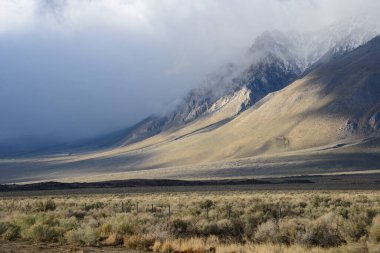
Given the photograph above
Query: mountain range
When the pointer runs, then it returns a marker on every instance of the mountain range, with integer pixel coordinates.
(297, 104)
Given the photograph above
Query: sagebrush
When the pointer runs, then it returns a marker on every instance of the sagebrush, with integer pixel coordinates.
(201, 222)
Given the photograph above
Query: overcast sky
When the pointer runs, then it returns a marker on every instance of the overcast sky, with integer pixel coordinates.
(77, 68)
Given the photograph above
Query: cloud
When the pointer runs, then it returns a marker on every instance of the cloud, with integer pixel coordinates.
(16, 15)
(71, 69)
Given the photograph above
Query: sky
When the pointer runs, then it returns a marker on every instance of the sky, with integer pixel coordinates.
(74, 69)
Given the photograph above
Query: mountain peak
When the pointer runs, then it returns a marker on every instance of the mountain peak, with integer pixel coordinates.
(275, 60)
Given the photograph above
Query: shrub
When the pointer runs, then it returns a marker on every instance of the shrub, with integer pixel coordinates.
(341, 203)
(12, 232)
(124, 224)
(265, 212)
(44, 206)
(355, 226)
(353, 229)
(156, 246)
(266, 232)
(24, 223)
(231, 228)
(322, 233)
(252, 221)
(212, 241)
(166, 247)
(112, 240)
(302, 204)
(105, 230)
(208, 203)
(96, 205)
(374, 231)
(68, 224)
(77, 214)
(180, 227)
(44, 233)
(139, 242)
(290, 230)
(208, 228)
(3, 227)
(82, 236)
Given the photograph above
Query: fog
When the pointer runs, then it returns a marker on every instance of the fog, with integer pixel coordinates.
(74, 69)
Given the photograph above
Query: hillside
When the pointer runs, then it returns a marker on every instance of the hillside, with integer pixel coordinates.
(273, 61)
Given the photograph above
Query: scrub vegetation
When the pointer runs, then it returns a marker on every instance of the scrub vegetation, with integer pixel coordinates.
(309, 221)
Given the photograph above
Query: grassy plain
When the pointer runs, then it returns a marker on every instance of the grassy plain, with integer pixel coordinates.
(266, 221)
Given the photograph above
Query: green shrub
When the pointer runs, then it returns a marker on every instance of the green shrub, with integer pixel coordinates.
(24, 223)
(125, 224)
(44, 233)
(12, 232)
(82, 236)
(179, 227)
(3, 227)
(68, 224)
(25, 220)
(48, 219)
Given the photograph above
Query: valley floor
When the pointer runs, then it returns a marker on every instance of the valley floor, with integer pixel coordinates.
(359, 158)
(349, 181)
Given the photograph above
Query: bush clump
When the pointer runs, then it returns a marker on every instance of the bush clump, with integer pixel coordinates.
(44, 206)
(180, 227)
(82, 236)
(267, 232)
(44, 233)
(3, 227)
(374, 231)
(137, 242)
(12, 232)
(322, 233)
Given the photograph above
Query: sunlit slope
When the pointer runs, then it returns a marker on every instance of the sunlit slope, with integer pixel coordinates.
(333, 103)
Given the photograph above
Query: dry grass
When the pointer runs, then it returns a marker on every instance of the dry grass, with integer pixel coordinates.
(201, 222)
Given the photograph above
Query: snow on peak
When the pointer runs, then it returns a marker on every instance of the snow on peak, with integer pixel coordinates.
(305, 49)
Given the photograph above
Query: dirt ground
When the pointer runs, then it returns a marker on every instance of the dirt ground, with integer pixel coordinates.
(30, 247)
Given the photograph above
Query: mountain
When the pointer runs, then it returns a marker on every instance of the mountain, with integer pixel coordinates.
(338, 102)
(274, 60)
(280, 121)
